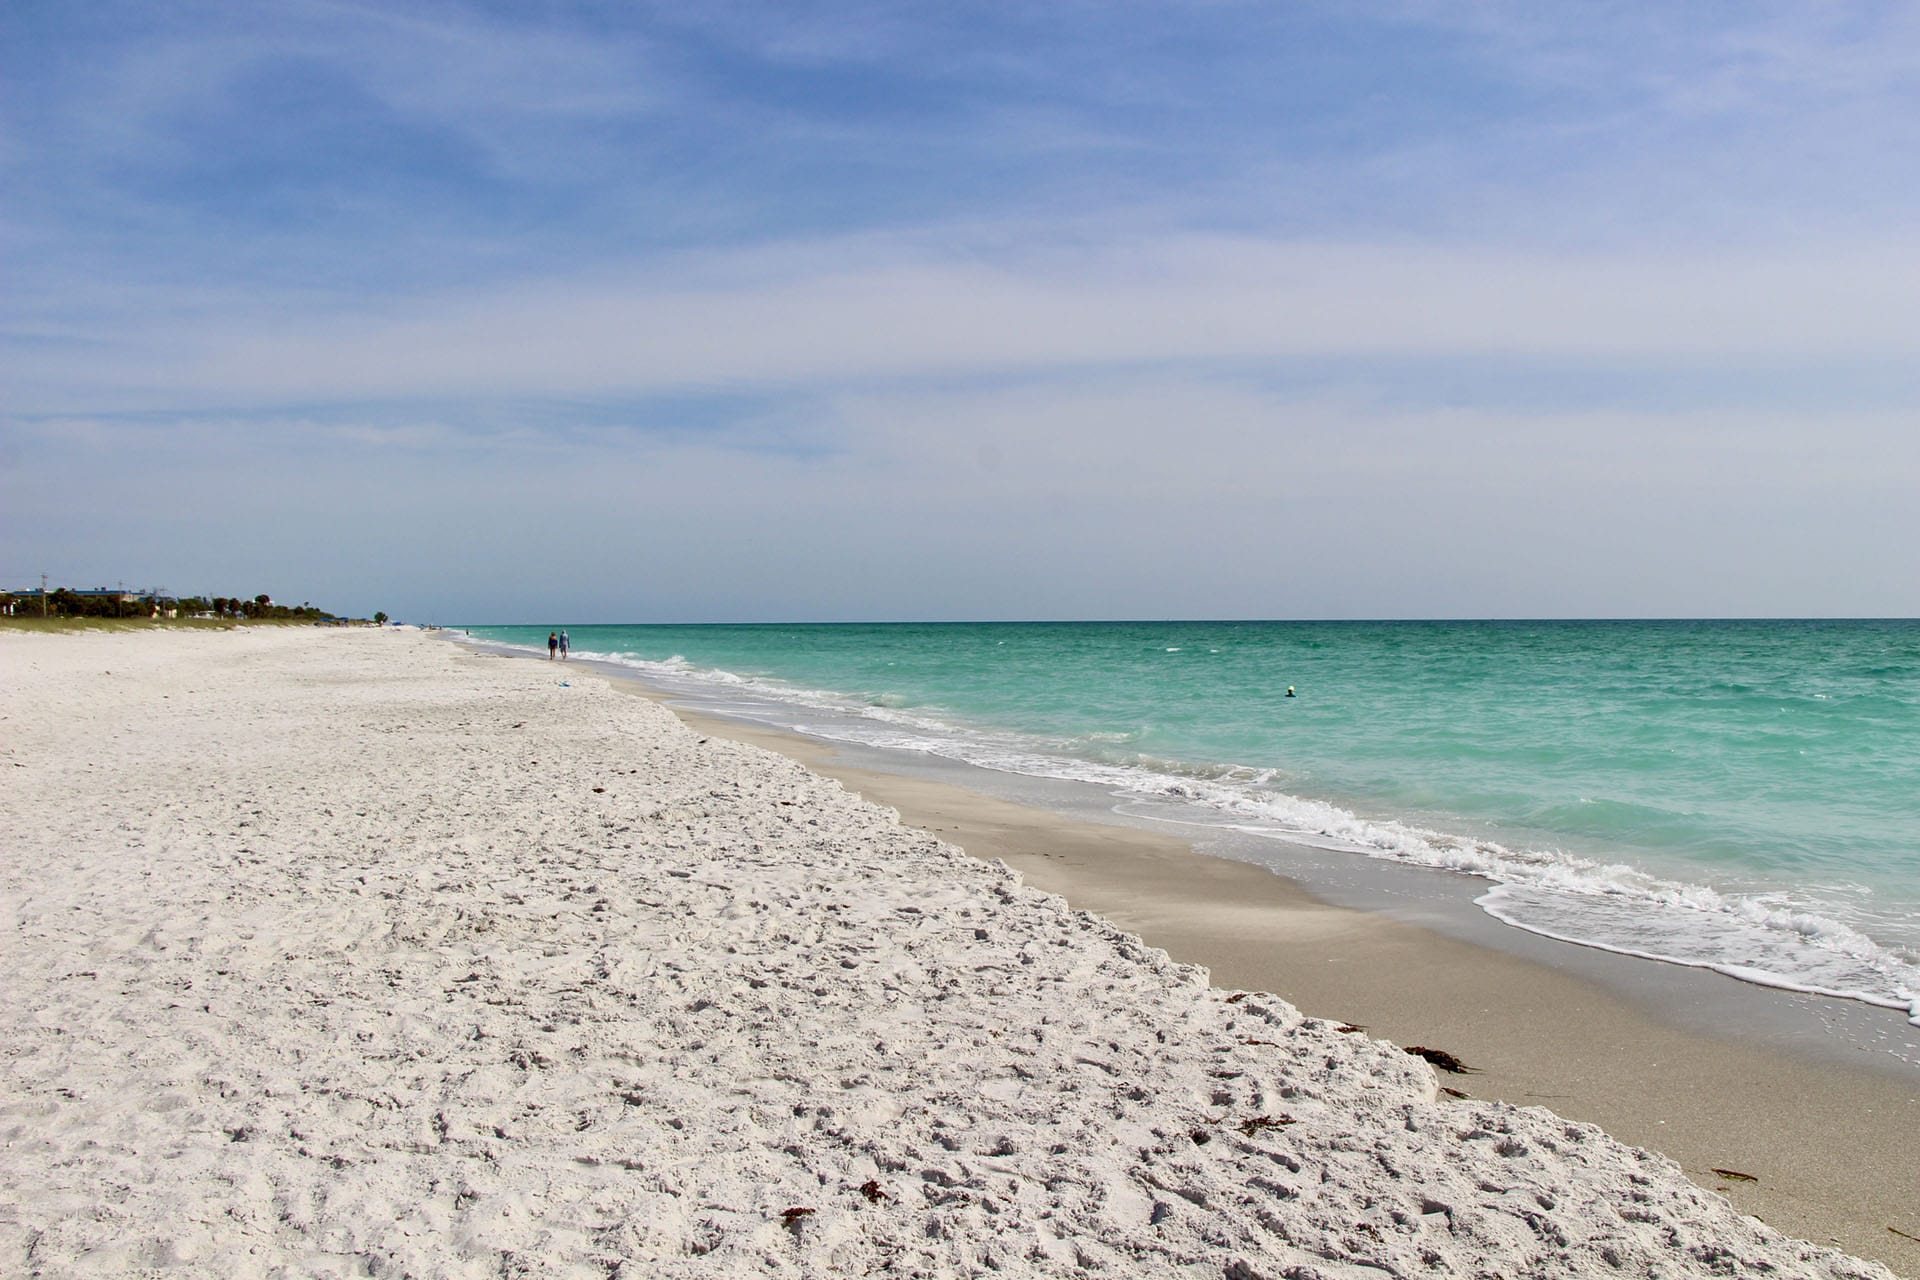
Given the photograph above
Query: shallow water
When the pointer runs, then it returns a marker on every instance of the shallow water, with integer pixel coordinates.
(1742, 795)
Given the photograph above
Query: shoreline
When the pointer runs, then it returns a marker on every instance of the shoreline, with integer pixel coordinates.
(1804, 1020)
(359, 953)
(1825, 1140)
(1499, 757)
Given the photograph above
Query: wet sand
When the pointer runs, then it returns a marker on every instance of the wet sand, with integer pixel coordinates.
(347, 953)
(1830, 1146)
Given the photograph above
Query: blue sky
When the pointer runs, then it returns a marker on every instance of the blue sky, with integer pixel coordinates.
(608, 312)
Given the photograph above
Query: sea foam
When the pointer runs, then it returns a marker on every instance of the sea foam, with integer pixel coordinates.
(1759, 937)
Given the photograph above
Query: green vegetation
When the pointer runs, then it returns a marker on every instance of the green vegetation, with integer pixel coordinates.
(51, 624)
(69, 610)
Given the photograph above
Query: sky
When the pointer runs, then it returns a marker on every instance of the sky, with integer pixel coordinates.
(560, 311)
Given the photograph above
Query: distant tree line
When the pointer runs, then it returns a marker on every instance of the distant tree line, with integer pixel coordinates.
(259, 607)
(67, 603)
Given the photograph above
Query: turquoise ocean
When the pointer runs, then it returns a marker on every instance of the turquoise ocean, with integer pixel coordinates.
(1736, 795)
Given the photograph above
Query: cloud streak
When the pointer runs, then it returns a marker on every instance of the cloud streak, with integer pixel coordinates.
(1009, 311)
(822, 314)
(1210, 497)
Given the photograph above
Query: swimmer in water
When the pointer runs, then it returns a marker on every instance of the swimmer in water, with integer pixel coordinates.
(1289, 691)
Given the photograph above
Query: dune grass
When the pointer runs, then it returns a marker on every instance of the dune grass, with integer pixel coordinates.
(34, 623)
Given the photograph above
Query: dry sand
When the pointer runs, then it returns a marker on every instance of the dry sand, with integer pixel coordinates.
(350, 953)
(1830, 1146)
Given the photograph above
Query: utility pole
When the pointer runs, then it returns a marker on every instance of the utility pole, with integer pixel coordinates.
(43, 595)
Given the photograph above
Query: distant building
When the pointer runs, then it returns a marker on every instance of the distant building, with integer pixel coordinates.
(93, 593)
(158, 602)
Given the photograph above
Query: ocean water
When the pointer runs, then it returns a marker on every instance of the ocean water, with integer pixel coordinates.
(1737, 795)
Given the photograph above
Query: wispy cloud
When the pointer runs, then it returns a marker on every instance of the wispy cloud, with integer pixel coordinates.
(845, 261)
(830, 312)
(1209, 496)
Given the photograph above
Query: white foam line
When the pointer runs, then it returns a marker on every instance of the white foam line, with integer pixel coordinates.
(1744, 973)
(1301, 820)
(668, 1005)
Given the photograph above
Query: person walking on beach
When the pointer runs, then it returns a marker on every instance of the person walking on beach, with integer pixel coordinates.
(553, 643)
(563, 646)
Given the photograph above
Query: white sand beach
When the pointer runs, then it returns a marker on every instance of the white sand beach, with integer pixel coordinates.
(1799, 1109)
(351, 953)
